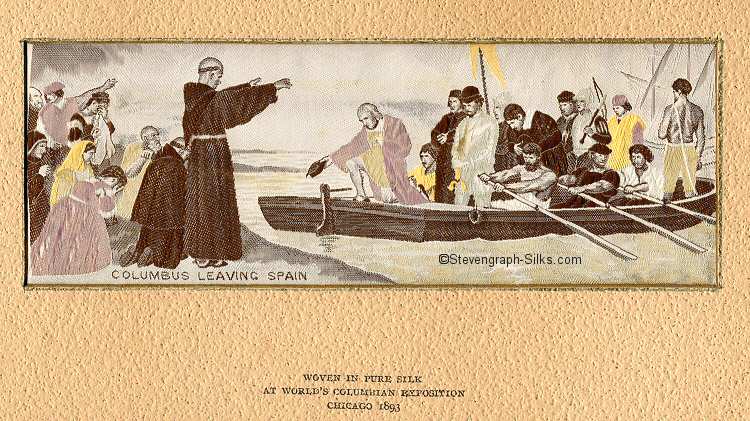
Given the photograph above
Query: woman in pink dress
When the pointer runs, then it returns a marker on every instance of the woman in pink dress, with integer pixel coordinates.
(74, 239)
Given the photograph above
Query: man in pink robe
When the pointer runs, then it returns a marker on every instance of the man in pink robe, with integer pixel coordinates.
(378, 150)
(55, 115)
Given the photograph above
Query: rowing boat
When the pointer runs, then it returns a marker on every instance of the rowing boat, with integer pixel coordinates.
(441, 222)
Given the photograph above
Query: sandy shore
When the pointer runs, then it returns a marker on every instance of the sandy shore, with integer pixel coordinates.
(259, 256)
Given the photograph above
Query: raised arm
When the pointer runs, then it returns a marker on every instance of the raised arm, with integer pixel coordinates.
(239, 104)
(83, 98)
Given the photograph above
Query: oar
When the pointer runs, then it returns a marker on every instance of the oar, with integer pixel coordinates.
(599, 241)
(706, 218)
(656, 228)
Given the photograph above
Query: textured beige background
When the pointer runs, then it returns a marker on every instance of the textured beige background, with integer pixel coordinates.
(205, 354)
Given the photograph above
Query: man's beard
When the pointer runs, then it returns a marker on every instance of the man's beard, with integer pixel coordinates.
(532, 167)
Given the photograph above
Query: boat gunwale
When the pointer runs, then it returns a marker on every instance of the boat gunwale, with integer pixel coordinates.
(408, 211)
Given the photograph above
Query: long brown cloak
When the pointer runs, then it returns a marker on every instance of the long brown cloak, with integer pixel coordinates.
(212, 222)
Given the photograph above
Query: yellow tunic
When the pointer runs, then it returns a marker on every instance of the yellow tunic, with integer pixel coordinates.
(374, 160)
(424, 179)
(622, 139)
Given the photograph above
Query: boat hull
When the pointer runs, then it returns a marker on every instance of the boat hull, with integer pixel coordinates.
(452, 223)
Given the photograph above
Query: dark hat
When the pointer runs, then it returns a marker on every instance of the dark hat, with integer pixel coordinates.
(53, 87)
(470, 93)
(100, 97)
(600, 149)
(455, 93)
(565, 96)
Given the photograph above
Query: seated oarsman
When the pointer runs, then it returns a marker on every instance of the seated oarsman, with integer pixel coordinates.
(639, 177)
(530, 180)
(598, 181)
(423, 177)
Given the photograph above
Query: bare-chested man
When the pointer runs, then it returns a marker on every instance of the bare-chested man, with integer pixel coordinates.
(530, 180)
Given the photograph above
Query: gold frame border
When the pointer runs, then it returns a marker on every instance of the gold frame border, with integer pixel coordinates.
(717, 41)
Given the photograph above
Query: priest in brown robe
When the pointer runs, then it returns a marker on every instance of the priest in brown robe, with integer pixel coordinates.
(442, 137)
(160, 210)
(212, 222)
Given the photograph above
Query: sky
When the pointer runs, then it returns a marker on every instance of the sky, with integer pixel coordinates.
(408, 81)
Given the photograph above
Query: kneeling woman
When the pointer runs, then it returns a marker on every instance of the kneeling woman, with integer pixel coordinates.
(74, 239)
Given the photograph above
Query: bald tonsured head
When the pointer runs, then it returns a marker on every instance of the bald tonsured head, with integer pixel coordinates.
(210, 71)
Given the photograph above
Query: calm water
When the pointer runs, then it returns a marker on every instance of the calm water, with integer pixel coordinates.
(660, 261)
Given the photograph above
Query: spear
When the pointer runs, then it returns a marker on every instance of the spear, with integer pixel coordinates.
(484, 81)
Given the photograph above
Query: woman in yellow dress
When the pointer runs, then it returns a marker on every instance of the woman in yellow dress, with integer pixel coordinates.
(76, 167)
(626, 129)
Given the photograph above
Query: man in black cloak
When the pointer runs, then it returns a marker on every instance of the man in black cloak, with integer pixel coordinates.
(160, 210)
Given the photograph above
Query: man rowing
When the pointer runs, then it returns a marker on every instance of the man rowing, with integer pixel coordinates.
(531, 180)
(639, 178)
(599, 181)
(378, 150)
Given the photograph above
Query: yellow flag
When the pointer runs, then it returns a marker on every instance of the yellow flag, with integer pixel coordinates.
(491, 61)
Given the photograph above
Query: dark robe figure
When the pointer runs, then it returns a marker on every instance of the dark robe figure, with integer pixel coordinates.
(545, 133)
(444, 170)
(568, 113)
(505, 154)
(565, 126)
(38, 197)
(160, 210)
(33, 116)
(212, 222)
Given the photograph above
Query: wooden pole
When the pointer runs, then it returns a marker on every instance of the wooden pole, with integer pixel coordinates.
(328, 224)
(484, 81)
(706, 218)
(599, 241)
(652, 226)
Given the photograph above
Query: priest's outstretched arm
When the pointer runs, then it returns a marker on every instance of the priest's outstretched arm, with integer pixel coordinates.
(239, 104)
